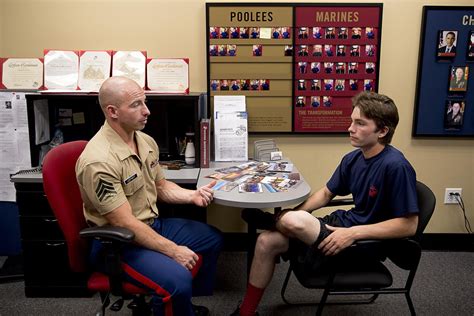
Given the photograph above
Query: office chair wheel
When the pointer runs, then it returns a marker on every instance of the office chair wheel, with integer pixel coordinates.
(117, 305)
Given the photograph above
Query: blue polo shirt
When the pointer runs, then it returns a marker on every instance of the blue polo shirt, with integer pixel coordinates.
(383, 187)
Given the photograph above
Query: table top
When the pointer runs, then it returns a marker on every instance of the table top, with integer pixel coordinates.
(265, 199)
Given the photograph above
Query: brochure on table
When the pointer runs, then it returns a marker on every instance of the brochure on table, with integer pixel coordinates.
(230, 128)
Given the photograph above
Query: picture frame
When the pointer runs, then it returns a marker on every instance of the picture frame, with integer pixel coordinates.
(436, 77)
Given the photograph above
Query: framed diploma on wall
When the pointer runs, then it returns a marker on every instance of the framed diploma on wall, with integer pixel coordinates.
(444, 101)
(21, 73)
(299, 65)
(168, 75)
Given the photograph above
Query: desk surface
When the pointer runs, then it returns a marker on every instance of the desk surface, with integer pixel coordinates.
(264, 199)
(177, 176)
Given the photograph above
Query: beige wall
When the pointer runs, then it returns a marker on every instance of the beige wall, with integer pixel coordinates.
(176, 28)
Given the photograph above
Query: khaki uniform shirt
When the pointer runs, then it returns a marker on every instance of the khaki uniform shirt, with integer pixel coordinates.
(109, 174)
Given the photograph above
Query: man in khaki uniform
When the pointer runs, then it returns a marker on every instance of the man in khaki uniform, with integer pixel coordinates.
(120, 181)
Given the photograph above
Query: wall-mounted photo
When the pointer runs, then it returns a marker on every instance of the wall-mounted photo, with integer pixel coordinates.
(470, 46)
(458, 76)
(447, 41)
(454, 114)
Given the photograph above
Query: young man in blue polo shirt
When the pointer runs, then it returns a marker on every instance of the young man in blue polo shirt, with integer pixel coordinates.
(381, 181)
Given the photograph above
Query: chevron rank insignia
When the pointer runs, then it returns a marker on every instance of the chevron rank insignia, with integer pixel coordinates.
(104, 189)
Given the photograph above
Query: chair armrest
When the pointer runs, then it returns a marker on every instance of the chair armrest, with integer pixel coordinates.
(339, 202)
(111, 233)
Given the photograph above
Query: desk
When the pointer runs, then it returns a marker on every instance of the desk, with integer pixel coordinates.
(265, 199)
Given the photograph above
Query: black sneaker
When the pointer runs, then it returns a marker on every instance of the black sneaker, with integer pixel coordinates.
(258, 218)
(237, 312)
(200, 310)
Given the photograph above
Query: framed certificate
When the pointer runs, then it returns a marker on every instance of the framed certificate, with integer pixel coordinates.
(130, 64)
(94, 68)
(168, 75)
(61, 69)
(21, 73)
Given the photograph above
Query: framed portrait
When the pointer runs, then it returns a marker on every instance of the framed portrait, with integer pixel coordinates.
(444, 83)
(458, 78)
(447, 41)
(470, 46)
(454, 114)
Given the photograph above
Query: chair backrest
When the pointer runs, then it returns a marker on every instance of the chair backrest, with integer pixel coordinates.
(426, 205)
(64, 197)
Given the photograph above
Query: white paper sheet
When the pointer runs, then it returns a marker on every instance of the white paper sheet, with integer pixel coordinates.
(40, 108)
(231, 136)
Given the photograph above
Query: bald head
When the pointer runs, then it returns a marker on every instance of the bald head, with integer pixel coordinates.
(113, 91)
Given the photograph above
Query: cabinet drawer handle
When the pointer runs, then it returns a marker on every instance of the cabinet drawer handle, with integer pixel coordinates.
(47, 220)
(56, 244)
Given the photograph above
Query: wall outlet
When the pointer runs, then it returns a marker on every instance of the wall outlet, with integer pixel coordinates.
(449, 198)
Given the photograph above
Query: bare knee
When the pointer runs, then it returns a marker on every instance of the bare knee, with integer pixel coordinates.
(271, 243)
(293, 223)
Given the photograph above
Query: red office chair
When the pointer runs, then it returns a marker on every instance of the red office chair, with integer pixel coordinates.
(62, 192)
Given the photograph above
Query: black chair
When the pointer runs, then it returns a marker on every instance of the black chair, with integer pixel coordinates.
(360, 268)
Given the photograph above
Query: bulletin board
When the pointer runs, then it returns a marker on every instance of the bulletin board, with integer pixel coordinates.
(444, 103)
(298, 65)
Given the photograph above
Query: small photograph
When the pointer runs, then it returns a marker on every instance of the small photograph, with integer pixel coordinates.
(341, 50)
(470, 46)
(303, 50)
(315, 101)
(356, 33)
(254, 84)
(235, 85)
(355, 51)
(370, 67)
(317, 32)
(327, 101)
(353, 67)
(213, 50)
(301, 85)
(276, 32)
(265, 84)
(245, 84)
(328, 84)
(224, 32)
(369, 32)
(232, 50)
(303, 66)
(254, 32)
(315, 67)
(213, 32)
(8, 105)
(354, 85)
(447, 41)
(315, 85)
(215, 86)
(340, 68)
(330, 34)
(340, 85)
(368, 85)
(285, 32)
(454, 114)
(458, 77)
(329, 50)
(317, 50)
(288, 50)
(300, 102)
(370, 50)
(222, 50)
(328, 67)
(244, 32)
(342, 33)
(234, 32)
(224, 85)
(303, 33)
(250, 187)
(257, 50)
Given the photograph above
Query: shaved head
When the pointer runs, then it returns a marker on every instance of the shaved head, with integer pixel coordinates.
(113, 90)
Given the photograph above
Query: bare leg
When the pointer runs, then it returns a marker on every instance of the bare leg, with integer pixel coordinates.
(301, 225)
(270, 244)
